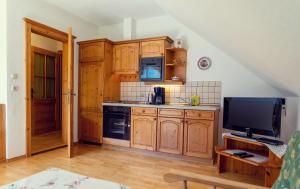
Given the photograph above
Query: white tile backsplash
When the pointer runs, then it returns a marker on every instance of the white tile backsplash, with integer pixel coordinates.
(209, 91)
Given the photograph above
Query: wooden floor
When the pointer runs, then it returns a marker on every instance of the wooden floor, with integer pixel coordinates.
(40, 143)
(130, 168)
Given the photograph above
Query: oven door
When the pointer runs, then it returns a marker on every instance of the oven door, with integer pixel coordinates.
(151, 69)
(117, 126)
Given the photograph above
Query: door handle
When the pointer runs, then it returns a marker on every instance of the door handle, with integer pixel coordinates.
(72, 94)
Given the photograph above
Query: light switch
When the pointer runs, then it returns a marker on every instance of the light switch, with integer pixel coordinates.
(14, 88)
(14, 76)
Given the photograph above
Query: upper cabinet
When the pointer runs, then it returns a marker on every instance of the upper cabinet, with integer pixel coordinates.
(126, 58)
(153, 48)
(91, 52)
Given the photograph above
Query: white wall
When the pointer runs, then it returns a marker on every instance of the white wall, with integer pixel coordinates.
(298, 114)
(236, 79)
(3, 63)
(49, 15)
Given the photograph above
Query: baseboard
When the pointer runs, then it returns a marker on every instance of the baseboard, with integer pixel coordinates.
(16, 158)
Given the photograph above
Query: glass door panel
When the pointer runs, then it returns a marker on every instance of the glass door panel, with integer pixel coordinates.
(39, 64)
(50, 88)
(38, 87)
(50, 66)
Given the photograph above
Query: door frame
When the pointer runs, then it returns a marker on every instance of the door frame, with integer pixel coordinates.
(32, 26)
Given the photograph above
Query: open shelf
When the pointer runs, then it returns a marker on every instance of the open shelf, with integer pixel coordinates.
(268, 170)
(221, 151)
(175, 65)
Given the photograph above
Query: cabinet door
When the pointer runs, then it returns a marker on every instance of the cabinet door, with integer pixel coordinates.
(91, 85)
(143, 132)
(91, 52)
(90, 101)
(170, 135)
(152, 48)
(126, 58)
(90, 126)
(198, 138)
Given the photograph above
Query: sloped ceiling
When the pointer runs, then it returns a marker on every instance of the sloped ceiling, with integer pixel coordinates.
(264, 35)
(105, 12)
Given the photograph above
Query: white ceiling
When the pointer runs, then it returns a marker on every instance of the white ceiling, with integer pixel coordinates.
(264, 35)
(104, 12)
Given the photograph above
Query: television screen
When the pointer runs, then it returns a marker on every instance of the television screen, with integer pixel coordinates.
(261, 115)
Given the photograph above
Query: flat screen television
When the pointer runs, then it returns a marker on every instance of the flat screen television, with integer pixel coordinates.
(255, 115)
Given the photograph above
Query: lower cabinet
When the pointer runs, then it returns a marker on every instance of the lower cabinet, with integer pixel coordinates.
(90, 127)
(198, 138)
(170, 135)
(143, 132)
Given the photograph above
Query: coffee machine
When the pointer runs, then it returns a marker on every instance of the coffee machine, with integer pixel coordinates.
(159, 95)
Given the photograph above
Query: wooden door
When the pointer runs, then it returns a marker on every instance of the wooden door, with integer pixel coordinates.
(44, 92)
(153, 48)
(170, 135)
(68, 92)
(198, 138)
(126, 58)
(90, 101)
(2, 133)
(143, 132)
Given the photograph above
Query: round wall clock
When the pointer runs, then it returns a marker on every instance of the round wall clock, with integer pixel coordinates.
(204, 63)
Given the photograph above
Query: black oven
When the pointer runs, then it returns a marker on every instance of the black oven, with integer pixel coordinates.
(152, 69)
(116, 122)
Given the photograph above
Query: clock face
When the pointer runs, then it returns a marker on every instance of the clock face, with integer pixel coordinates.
(204, 63)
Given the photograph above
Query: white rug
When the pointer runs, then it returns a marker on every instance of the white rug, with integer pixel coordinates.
(60, 179)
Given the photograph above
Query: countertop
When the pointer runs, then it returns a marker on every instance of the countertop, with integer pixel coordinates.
(208, 107)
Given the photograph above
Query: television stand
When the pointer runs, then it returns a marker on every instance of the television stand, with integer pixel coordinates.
(265, 173)
(259, 139)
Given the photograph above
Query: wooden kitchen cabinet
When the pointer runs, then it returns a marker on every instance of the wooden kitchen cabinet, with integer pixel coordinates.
(153, 48)
(126, 58)
(170, 135)
(91, 52)
(91, 85)
(199, 138)
(143, 132)
(91, 126)
(96, 84)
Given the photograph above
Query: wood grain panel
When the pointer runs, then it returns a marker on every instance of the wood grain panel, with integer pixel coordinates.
(92, 52)
(143, 132)
(126, 58)
(153, 48)
(90, 126)
(198, 138)
(2, 133)
(170, 135)
(91, 86)
(44, 120)
(170, 113)
(199, 114)
(144, 111)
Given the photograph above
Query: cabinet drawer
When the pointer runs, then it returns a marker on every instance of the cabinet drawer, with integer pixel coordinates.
(198, 114)
(144, 111)
(171, 113)
(91, 52)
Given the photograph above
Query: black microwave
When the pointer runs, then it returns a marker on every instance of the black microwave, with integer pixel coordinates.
(152, 69)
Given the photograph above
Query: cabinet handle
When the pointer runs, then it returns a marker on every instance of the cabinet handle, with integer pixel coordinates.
(143, 111)
(199, 114)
